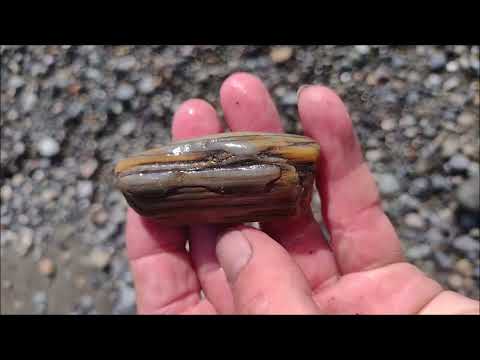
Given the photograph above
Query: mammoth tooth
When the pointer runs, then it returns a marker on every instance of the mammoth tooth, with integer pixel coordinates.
(225, 178)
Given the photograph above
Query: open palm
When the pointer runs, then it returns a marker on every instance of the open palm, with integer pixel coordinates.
(362, 271)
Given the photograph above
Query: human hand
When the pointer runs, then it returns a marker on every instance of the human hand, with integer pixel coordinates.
(244, 270)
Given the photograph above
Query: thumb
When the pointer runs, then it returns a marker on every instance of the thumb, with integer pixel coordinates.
(263, 277)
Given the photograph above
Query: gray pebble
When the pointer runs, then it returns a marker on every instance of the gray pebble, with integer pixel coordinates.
(87, 169)
(468, 194)
(387, 183)
(420, 188)
(458, 163)
(127, 127)
(414, 220)
(290, 98)
(438, 61)
(125, 92)
(84, 189)
(125, 63)
(39, 301)
(25, 242)
(29, 99)
(147, 85)
(126, 300)
(48, 147)
(466, 244)
(417, 252)
(443, 260)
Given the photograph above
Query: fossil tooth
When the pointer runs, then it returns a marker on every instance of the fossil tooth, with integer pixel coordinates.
(224, 178)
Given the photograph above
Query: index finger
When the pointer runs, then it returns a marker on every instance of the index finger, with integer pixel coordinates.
(362, 235)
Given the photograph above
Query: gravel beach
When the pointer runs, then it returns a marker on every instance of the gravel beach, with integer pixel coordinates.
(68, 113)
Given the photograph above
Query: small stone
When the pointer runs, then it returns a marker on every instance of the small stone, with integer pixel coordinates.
(452, 66)
(387, 183)
(466, 119)
(418, 252)
(7, 284)
(438, 61)
(281, 54)
(6, 193)
(39, 301)
(86, 302)
(468, 194)
(99, 216)
(464, 267)
(469, 284)
(458, 163)
(12, 115)
(345, 77)
(116, 107)
(125, 63)
(147, 85)
(98, 258)
(450, 146)
(443, 260)
(87, 169)
(362, 49)
(126, 300)
(411, 132)
(455, 281)
(374, 155)
(48, 147)
(127, 127)
(29, 99)
(440, 183)
(414, 220)
(388, 124)
(80, 282)
(451, 83)
(84, 189)
(433, 81)
(466, 244)
(25, 241)
(420, 188)
(16, 82)
(407, 121)
(46, 267)
(125, 92)
(290, 98)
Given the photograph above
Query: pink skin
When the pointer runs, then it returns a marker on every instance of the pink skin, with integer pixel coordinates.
(363, 272)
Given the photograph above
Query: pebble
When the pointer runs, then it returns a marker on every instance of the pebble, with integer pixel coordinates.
(468, 194)
(438, 61)
(25, 241)
(99, 216)
(147, 85)
(46, 267)
(388, 124)
(6, 193)
(418, 252)
(466, 244)
(452, 66)
(414, 220)
(125, 92)
(290, 98)
(281, 54)
(88, 168)
(127, 127)
(450, 146)
(98, 258)
(455, 281)
(464, 267)
(387, 183)
(48, 147)
(407, 121)
(125, 63)
(126, 300)
(458, 163)
(39, 301)
(6, 284)
(374, 155)
(443, 260)
(435, 238)
(84, 189)
(80, 282)
(29, 99)
(420, 188)
(467, 119)
(451, 83)
(362, 49)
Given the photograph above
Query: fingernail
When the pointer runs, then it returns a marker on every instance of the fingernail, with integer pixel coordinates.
(301, 88)
(233, 253)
